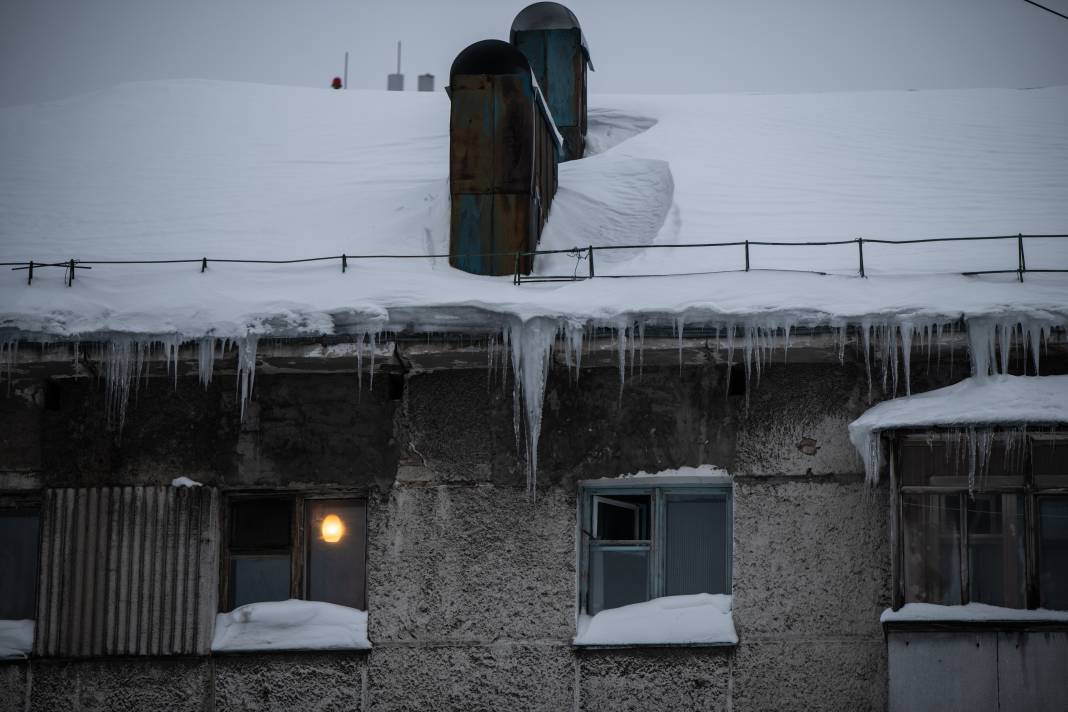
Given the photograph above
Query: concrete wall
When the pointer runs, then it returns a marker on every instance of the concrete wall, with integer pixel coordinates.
(472, 587)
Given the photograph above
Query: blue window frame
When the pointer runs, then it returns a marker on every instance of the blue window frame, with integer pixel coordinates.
(640, 539)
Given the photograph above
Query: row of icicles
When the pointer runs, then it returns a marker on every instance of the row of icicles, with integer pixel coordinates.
(528, 346)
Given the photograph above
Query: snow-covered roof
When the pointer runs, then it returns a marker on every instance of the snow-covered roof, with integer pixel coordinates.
(982, 401)
(187, 169)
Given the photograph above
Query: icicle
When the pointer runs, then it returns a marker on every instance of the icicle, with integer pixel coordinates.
(246, 368)
(872, 455)
(641, 348)
(122, 359)
(573, 337)
(506, 350)
(747, 353)
(1005, 342)
(206, 360)
(680, 324)
(373, 336)
(491, 359)
(906, 355)
(360, 336)
(8, 355)
(621, 353)
(1034, 339)
(866, 328)
(531, 347)
(632, 346)
(981, 346)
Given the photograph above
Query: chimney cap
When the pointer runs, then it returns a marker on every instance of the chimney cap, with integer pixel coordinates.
(489, 57)
(549, 16)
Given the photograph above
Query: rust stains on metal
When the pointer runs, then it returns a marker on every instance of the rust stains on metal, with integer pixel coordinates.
(502, 160)
(550, 37)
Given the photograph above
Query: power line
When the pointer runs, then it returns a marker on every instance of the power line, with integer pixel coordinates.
(1032, 2)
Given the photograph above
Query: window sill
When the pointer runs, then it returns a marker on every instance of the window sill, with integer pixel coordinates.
(247, 652)
(973, 616)
(697, 620)
(289, 626)
(16, 639)
(725, 645)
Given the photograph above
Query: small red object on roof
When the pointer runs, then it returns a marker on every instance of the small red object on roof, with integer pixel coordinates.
(336, 83)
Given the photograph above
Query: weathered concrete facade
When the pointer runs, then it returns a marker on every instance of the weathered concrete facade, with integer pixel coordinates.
(471, 586)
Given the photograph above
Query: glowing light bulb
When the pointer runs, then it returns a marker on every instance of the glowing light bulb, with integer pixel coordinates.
(332, 529)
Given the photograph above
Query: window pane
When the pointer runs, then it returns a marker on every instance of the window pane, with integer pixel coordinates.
(939, 460)
(335, 535)
(259, 578)
(621, 518)
(931, 561)
(18, 564)
(996, 550)
(261, 524)
(1053, 552)
(617, 578)
(696, 545)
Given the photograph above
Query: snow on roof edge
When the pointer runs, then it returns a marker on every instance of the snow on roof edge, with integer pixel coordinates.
(978, 401)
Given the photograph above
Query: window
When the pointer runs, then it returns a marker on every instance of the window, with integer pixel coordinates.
(285, 546)
(1004, 540)
(18, 562)
(644, 541)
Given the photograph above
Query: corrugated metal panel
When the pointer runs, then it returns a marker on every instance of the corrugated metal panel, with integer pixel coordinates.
(128, 571)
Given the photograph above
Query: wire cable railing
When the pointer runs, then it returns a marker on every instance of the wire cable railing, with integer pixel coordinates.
(580, 254)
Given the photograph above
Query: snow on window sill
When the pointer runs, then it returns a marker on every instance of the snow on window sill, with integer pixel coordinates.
(970, 613)
(290, 625)
(16, 639)
(697, 620)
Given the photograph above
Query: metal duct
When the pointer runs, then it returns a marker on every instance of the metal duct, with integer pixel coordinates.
(128, 571)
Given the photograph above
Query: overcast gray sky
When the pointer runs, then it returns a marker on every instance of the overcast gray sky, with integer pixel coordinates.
(51, 49)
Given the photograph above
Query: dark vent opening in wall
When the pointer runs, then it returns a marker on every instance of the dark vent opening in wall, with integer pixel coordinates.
(53, 396)
(396, 386)
(737, 383)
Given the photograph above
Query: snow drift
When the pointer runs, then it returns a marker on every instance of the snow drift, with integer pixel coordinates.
(697, 619)
(291, 625)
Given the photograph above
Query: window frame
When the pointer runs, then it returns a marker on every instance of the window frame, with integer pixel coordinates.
(299, 551)
(658, 489)
(1026, 486)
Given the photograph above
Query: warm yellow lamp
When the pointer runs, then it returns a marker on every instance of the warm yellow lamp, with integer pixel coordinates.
(332, 529)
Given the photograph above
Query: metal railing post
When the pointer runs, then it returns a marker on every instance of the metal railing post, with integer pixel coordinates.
(517, 279)
(1020, 254)
(591, 260)
(747, 255)
(860, 250)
